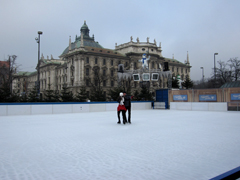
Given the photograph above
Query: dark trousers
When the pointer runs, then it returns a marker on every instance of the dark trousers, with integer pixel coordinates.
(129, 113)
(123, 115)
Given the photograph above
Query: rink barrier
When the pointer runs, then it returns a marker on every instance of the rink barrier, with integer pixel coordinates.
(199, 106)
(11, 109)
(232, 174)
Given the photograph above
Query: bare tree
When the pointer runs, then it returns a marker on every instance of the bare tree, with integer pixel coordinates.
(98, 81)
(234, 65)
(7, 76)
(223, 74)
(13, 68)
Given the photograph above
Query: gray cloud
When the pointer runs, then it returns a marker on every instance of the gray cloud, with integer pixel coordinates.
(199, 27)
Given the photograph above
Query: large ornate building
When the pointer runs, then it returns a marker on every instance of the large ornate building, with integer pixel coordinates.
(86, 63)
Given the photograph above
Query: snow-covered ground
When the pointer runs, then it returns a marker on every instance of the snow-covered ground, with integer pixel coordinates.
(159, 144)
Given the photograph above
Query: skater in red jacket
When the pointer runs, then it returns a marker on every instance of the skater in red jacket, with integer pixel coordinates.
(122, 108)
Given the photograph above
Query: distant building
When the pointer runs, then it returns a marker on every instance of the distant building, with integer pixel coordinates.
(85, 59)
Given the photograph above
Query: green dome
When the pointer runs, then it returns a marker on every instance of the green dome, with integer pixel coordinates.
(87, 41)
(84, 26)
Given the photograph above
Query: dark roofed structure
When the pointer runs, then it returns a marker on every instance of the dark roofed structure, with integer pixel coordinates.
(231, 84)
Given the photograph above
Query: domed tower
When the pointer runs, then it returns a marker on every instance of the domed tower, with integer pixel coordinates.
(85, 32)
(81, 41)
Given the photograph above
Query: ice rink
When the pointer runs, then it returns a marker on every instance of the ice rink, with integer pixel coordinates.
(159, 144)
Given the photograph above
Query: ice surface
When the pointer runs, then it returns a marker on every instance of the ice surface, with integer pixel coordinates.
(159, 144)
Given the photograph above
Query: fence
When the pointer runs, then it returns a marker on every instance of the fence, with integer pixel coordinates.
(211, 95)
(229, 95)
(233, 106)
(159, 105)
(9, 109)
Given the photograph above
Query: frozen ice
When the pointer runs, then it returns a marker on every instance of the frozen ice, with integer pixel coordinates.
(159, 144)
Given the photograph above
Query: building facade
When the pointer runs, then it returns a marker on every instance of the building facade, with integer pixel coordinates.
(86, 63)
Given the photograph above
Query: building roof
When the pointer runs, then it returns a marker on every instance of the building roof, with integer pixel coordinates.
(103, 51)
(25, 73)
(174, 61)
(231, 84)
(77, 45)
(51, 61)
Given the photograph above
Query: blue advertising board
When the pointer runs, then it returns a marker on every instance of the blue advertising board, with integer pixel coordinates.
(180, 97)
(208, 97)
(235, 96)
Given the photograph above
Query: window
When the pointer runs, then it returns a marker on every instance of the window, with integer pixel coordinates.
(177, 69)
(155, 76)
(87, 60)
(72, 82)
(104, 61)
(96, 82)
(96, 60)
(126, 64)
(87, 94)
(96, 72)
(186, 70)
(104, 72)
(152, 65)
(112, 83)
(87, 82)
(181, 70)
(136, 77)
(87, 71)
(172, 69)
(135, 65)
(72, 62)
(111, 62)
(111, 72)
(146, 76)
(143, 49)
(104, 83)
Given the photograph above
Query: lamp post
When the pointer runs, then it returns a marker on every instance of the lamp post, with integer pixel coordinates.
(202, 73)
(38, 72)
(215, 67)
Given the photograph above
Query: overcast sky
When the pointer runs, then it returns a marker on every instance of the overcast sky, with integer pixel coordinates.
(201, 27)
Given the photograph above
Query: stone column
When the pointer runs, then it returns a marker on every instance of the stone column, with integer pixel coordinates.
(69, 72)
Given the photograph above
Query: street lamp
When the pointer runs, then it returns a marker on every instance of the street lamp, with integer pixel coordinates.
(202, 73)
(38, 72)
(215, 66)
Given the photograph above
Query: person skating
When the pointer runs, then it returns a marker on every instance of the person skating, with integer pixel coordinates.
(121, 108)
(127, 103)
